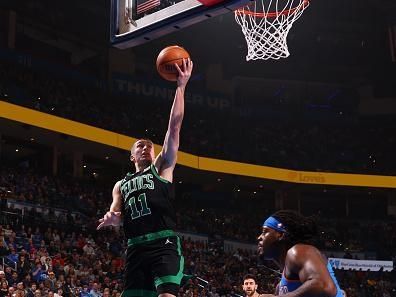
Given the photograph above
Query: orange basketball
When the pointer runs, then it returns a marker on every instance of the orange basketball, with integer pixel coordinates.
(166, 61)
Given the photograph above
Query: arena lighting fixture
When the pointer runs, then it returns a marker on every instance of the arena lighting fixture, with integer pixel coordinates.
(107, 157)
(85, 166)
(17, 150)
(254, 192)
(32, 139)
(219, 179)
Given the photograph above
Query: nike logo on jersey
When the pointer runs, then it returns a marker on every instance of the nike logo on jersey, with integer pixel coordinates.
(168, 241)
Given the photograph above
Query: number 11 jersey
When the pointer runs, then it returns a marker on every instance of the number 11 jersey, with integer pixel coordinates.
(146, 203)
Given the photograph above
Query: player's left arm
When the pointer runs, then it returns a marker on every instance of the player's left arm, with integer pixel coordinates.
(307, 262)
(166, 160)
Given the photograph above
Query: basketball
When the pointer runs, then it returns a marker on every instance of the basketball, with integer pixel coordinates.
(166, 61)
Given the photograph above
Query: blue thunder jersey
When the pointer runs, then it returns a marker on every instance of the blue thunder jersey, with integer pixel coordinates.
(287, 285)
(146, 204)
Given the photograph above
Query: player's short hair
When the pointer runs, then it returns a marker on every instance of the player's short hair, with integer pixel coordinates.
(250, 276)
(141, 139)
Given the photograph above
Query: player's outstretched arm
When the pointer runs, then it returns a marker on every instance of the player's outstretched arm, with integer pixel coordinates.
(113, 216)
(166, 160)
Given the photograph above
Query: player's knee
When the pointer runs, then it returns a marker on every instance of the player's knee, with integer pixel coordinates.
(168, 290)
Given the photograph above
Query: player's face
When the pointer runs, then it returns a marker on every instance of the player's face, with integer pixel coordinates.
(249, 287)
(142, 152)
(268, 242)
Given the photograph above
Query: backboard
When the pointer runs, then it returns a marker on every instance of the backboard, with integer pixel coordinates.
(134, 22)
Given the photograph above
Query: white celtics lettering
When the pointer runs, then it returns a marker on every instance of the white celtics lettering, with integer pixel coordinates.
(137, 183)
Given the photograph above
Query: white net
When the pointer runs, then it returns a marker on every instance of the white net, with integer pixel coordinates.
(266, 23)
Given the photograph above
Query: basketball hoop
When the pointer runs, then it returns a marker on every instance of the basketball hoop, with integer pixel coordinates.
(266, 25)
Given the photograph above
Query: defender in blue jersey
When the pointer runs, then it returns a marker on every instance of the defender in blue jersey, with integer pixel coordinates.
(287, 239)
(154, 261)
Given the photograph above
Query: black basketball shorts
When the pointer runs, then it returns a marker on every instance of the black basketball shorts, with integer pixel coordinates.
(153, 267)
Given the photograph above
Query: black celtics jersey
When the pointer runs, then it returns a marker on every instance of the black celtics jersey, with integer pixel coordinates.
(146, 203)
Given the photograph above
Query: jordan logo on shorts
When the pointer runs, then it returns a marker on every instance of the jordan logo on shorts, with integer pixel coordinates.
(168, 241)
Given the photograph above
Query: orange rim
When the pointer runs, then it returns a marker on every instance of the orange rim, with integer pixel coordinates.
(270, 14)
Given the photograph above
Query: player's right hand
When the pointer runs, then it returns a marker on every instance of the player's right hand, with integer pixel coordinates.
(185, 73)
(111, 218)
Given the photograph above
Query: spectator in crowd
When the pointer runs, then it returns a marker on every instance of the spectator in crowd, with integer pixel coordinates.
(11, 291)
(250, 286)
(4, 288)
(85, 292)
(13, 256)
(95, 290)
(3, 277)
(37, 293)
(31, 289)
(39, 273)
(14, 279)
(20, 289)
(3, 247)
(51, 281)
(23, 266)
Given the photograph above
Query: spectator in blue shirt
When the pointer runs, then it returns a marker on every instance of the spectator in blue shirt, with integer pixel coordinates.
(95, 291)
(13, 256)
(38, 273)
(84, 292)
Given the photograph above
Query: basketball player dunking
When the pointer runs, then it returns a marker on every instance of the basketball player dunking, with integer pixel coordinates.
(286, 239)
(154, 262)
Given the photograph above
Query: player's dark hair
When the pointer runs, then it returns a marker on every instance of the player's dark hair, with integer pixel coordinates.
(300, 229)
(250, 276)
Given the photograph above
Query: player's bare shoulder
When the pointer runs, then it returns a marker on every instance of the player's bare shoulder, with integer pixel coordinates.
(301, 250)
